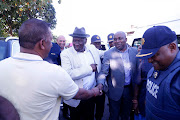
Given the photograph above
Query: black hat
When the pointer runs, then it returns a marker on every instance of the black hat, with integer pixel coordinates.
(79, 32)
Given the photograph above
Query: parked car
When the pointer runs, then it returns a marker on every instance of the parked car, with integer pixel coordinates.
(136, 42)
(9, 47)
(2, 38)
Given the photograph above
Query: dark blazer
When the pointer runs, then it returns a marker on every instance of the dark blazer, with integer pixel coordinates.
(113, 69)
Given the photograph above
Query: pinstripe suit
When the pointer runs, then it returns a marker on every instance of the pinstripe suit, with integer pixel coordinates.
(113, 69)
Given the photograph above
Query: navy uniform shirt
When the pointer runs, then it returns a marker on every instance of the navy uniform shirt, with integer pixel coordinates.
(145, 67)
(54, 54)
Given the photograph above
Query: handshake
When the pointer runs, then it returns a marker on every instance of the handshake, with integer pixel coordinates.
(84, 94)
(97, 91)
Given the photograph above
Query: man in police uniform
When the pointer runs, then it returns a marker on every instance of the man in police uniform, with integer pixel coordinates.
(54, 54)
(99, 100)
(110, 38)
(163, 80)
(96, 41)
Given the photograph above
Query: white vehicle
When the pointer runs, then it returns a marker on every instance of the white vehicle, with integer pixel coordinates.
(9, 47)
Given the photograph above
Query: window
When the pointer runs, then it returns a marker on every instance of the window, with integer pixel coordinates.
(136, 42)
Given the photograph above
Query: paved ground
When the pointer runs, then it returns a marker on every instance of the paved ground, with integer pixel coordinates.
(105, 116)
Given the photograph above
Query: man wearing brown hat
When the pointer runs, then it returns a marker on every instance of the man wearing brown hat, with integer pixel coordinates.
(160, 47)
(82, 62)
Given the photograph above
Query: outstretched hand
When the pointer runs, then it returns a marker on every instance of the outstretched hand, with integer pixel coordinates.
(97, 91)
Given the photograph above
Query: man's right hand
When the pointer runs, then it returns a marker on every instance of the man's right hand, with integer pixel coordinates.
(96, 91)
(84, 94)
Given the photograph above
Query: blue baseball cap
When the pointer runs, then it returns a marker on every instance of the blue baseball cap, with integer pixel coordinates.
(95, 38)
(110, 37)
(153, 39)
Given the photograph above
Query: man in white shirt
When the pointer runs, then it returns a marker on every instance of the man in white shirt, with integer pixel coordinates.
(82, 62)
(34, 86)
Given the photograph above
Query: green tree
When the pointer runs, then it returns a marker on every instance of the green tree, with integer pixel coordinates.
(14, 12)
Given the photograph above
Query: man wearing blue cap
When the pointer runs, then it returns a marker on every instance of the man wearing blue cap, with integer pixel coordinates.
(99, 100)
(82, 62)
(96, 41)
(163, 80)
(110, 38)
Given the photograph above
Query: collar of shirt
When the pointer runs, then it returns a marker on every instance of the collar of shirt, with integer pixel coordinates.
(127, 66)
(176, 59)
(86, 49)
(125, 50)
(64, 48)
(27, 56)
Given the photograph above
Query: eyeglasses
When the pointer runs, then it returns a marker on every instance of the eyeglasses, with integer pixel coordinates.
(119, 38)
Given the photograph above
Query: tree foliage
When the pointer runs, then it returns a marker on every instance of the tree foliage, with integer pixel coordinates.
(14, 12)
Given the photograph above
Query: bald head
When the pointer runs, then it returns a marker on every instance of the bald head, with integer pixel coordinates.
(61, 37)
(120, 40)
(123, 34)
(61, 41)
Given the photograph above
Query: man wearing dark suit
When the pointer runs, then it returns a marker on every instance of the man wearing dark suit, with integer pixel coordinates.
(120, 66)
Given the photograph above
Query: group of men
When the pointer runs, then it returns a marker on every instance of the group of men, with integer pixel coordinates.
(35, 87)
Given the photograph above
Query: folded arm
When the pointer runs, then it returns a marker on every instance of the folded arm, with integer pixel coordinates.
(75, 73)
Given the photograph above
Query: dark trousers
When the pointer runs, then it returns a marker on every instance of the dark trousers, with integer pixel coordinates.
(65, 109)
(121, 107)
(99, 102)
(142, 97)
(84, 111)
